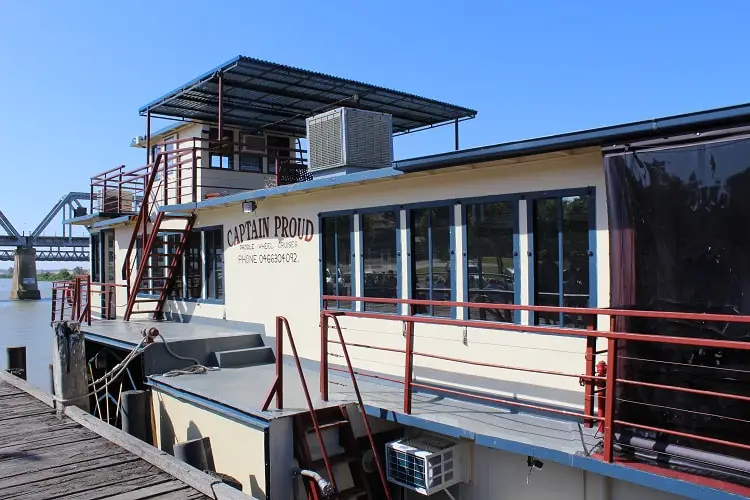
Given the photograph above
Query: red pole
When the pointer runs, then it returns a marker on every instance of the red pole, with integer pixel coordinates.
(408, 364)
(588, 402)
(609, 406)
(279, 363)
(88, 299)
(601, 371)
(221, 109)
(324, 354)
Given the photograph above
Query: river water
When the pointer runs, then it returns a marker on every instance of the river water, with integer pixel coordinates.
(27, 323)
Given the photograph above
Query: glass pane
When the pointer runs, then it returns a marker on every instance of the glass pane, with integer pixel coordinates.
(173, 241)
(210, 265)
(194, 281)
(219, 264)
(490, 266)
(546, 259)
(575, 257)
(420, 258)
(431, 258)
(380, 260)
(337, 257)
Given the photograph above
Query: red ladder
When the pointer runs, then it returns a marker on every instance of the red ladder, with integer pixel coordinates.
(150, 267)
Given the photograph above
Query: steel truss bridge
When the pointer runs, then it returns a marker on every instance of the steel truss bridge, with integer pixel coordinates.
(65, 248)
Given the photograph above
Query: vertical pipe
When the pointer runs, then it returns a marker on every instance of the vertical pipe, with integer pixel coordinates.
(16, 361)
(144, 208)
(609, 405)
(119, 190)
(408, 365)
(455, 133)
(88, 299)
(195, 177)
(588, 402)
(279, 363)
(221, 110)
(324, 354)
(148, 136)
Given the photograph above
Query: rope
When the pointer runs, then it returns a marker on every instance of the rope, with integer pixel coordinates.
(105, 380)
(195, 369)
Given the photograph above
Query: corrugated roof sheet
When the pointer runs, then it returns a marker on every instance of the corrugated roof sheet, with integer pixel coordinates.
(260, 94)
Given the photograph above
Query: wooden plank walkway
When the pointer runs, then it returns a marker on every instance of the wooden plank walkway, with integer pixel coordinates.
(43, 456)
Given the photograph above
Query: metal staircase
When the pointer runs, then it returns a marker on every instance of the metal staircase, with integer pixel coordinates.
(344, 453)
(156, 268)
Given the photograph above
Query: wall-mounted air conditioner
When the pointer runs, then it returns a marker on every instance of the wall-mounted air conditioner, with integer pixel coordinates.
(427, 464)
(349, 140)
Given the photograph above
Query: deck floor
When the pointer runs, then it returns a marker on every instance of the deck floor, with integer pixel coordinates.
(129, 333)
(43, 456)
(245, 388)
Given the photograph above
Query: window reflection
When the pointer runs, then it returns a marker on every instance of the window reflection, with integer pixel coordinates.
(214, 264)
(337, 258)
(490, 269)
(380, 260)
(193, 266)
(431, 258)
(173, 242)
(561, 229)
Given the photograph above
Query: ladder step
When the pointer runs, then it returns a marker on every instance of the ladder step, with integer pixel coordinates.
(328, 425)
(140, 301)
(143, 312)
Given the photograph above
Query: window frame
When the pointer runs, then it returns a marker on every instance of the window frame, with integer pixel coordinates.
(451, 204)
(514, 198)
(322, 262)
(219, 230)
(589, 191)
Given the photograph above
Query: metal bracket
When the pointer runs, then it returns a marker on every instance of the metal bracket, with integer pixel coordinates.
(466, 336)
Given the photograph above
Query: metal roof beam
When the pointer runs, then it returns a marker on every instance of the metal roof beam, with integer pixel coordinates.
(228, 103)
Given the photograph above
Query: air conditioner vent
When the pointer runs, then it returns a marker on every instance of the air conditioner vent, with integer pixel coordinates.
(426, 464)
(347, 138)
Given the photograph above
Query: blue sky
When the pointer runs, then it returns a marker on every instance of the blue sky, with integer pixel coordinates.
(73, 74)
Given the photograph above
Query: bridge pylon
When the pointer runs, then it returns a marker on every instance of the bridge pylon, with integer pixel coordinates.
(24, 285)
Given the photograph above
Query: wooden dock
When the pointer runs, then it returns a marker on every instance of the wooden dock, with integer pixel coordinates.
(75, 456)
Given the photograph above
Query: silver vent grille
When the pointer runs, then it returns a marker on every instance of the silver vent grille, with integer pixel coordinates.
(347, 137)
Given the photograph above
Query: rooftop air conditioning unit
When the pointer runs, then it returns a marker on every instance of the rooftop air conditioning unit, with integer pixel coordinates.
(349, 140)
(427, 464)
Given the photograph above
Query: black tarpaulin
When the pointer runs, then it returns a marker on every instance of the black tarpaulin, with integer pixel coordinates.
(680, 241)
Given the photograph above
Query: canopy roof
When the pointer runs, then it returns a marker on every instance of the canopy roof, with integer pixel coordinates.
(264, 95)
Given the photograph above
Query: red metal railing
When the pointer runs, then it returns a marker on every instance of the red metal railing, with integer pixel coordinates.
(277, 388)
(600, 381)
(75, 300)
(277, 391)
(71, 300)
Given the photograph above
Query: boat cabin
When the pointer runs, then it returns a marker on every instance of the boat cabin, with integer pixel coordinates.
(559, 317)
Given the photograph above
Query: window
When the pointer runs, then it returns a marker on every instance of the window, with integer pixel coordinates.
(214, 248)
(278, 147)
(193, 266)
(490, 265)
(178, 289)
(380, 261)
(252, 159)
(431, 258)
(222, 154)
(562, 254)
(157, 265)
(337, 258)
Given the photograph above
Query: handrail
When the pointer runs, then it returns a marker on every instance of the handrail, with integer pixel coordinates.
(600, 380)
(277, 388)
(324, 317)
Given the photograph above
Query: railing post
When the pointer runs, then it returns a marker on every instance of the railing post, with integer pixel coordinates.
(609, 405)
(119, 190)
(195, 177)
(88, 299)
(279, 363)
(54, 301)
(408, 365)
(104, 195)
(588, 382)
(165, 157)
(324, 354)
(63, 298)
